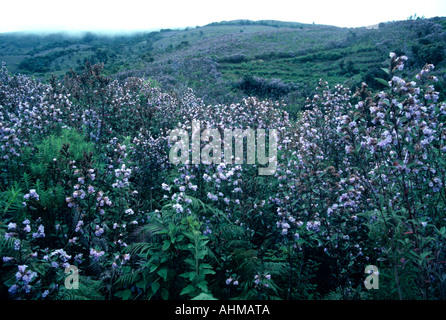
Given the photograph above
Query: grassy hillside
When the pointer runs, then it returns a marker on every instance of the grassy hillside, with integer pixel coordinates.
(224, 61)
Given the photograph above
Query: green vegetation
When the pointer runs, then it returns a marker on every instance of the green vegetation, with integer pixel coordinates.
(216, 59)
(87, 180)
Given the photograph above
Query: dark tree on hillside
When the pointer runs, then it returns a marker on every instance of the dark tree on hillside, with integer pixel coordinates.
(433, 53)
(370, 77)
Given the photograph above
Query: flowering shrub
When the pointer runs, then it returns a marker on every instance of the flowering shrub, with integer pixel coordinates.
(366, 168)
(86, 181)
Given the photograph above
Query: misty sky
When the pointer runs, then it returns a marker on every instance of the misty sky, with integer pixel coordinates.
(129, 15)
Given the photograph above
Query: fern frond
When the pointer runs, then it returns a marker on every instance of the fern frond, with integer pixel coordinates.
(140, 248)
(232, 231)
(334, 295)
(6, 244)
(200, 206)
(128, 278)
(25, 181)
(10, 201)
(88, 290)
(276, 268)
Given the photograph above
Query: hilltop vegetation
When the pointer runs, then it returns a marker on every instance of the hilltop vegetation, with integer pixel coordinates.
(225, 61)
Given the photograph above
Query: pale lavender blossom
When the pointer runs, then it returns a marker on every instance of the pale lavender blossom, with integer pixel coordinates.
(90, 189)
(96, 254)
(178, 207)
(40, 232)
(12, 226)
(98, 231)
(211, 196)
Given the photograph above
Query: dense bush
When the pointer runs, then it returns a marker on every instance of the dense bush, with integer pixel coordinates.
(42, 63)
(256, 86)
(429, 52)
(234, 58)
(86, 181)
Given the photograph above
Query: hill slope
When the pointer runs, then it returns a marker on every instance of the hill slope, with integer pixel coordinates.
(224, 61)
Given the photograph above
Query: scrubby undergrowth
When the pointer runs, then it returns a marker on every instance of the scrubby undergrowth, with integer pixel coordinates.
(86, 181)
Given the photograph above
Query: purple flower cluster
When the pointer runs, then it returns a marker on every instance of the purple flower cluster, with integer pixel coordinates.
(31, 195)
(95, 254)
(24, 279)
(347, 160)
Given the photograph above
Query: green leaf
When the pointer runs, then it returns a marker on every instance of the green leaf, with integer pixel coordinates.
(190, 275)
(166, 245)
(153, 268)
(204, 296)
(163, 273)
(163, 259)
(164, 293)
(207, 271)
(203, 286)
(383, 82)
(124, 294)
(385, 70)
(155, 286)
(190, 262)
(141, 284)
(189, 288)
